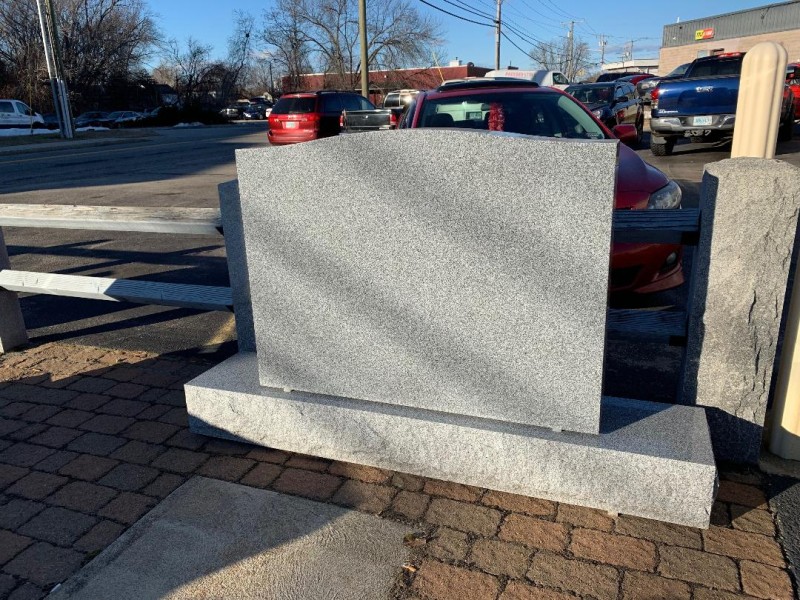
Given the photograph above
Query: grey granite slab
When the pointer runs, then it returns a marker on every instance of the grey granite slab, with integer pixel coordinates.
(741, 267)
(214, 539)
(231, 212)
(458, 271)
(650, 460)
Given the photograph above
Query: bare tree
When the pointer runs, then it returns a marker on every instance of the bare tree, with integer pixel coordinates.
(240, 55)
(101, 41)
(190, 66)
(323, 35)
(556, 56)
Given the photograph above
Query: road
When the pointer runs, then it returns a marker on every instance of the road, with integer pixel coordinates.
(182, 167)
(172, 167)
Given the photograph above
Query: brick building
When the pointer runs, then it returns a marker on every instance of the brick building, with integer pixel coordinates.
(381, 82)
(731, 32)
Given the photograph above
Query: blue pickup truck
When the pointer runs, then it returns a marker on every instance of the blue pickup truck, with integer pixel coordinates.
(701, 106)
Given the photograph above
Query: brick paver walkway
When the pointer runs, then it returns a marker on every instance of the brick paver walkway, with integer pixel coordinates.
(91, 439)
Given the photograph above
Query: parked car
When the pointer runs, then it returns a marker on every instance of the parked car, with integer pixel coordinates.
(360, 121)
(523, 107)
(126, 118)
(50, 121)
(793, 81)
(118, 118)
(306, 116)
(15, 113)
(91, 118)
(701, 106)
(614, 103)
(645, 87)
(554, 79)
(635, 79)
(232, 112)
(255, 112)
(604, 77)
(399, 98)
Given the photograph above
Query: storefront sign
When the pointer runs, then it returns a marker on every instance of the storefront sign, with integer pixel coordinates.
(704, 34)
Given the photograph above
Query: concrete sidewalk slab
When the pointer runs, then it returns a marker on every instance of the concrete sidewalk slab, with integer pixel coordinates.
(213, 539)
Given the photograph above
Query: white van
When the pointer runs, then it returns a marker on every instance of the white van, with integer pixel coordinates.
(15, 113)
(554, 79)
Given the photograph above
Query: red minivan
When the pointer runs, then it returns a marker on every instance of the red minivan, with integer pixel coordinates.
(793, 80)
(306, 116)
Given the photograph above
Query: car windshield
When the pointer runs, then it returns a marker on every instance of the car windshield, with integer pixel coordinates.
(717, 68)
(680, 70)
(295, 105)
(116, 115)
(592, 94)
(530, 113)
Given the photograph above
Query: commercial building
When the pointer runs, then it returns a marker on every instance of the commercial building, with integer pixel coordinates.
(731, 32)
(383, 81)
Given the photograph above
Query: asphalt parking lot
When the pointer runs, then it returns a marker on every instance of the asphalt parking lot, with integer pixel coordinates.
(182, 167)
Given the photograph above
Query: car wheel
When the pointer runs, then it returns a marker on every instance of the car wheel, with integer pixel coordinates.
(662, 149)
(786, 130)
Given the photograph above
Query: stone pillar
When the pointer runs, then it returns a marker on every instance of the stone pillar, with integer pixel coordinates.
(231, 211)
(12, 326)
(749, 219)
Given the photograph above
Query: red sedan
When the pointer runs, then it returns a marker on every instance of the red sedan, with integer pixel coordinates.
(522, 107)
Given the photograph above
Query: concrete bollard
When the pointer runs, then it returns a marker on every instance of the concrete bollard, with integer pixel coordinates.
(758, 109)
(12, 326)
(785, 434)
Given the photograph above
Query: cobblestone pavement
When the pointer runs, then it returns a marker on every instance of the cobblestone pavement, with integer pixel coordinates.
(91, 439)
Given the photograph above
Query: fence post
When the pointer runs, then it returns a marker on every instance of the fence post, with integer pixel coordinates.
(12, 326)
(749, 220)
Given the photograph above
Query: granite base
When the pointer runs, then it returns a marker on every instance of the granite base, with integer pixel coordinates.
(650, 460)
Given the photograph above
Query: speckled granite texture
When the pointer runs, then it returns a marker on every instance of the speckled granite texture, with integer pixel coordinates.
(649, 460)
(231, 212)
(750, 209)
(455, 271)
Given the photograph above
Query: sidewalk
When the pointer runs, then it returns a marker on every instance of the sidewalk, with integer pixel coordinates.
(91, 439)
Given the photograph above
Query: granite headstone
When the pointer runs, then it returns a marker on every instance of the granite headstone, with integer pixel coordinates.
(457, 271)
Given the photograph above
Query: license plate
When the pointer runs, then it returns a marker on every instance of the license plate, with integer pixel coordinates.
(701, 121)
(290, 124)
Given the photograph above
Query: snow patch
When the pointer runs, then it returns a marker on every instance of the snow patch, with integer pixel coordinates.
(192, 124)
(25, 131)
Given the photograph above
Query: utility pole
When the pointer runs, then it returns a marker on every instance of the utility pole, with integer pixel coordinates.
(497, 23)
(570, 47)
(603, 42)
(55, 68)
(362, 31)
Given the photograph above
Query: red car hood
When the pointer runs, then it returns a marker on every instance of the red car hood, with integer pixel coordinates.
(636, 180)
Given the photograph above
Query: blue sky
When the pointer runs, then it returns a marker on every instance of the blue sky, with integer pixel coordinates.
(211, 21)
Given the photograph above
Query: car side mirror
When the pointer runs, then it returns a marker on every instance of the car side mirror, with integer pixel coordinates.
(626, 134)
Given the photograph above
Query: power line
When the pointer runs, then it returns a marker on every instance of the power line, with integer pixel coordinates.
(521, 15)
(558, 9)
(510, 41)
(447, 12)
(544, 16)
(469, 9)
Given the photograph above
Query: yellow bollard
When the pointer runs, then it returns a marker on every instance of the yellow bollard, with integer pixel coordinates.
(758, 109)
